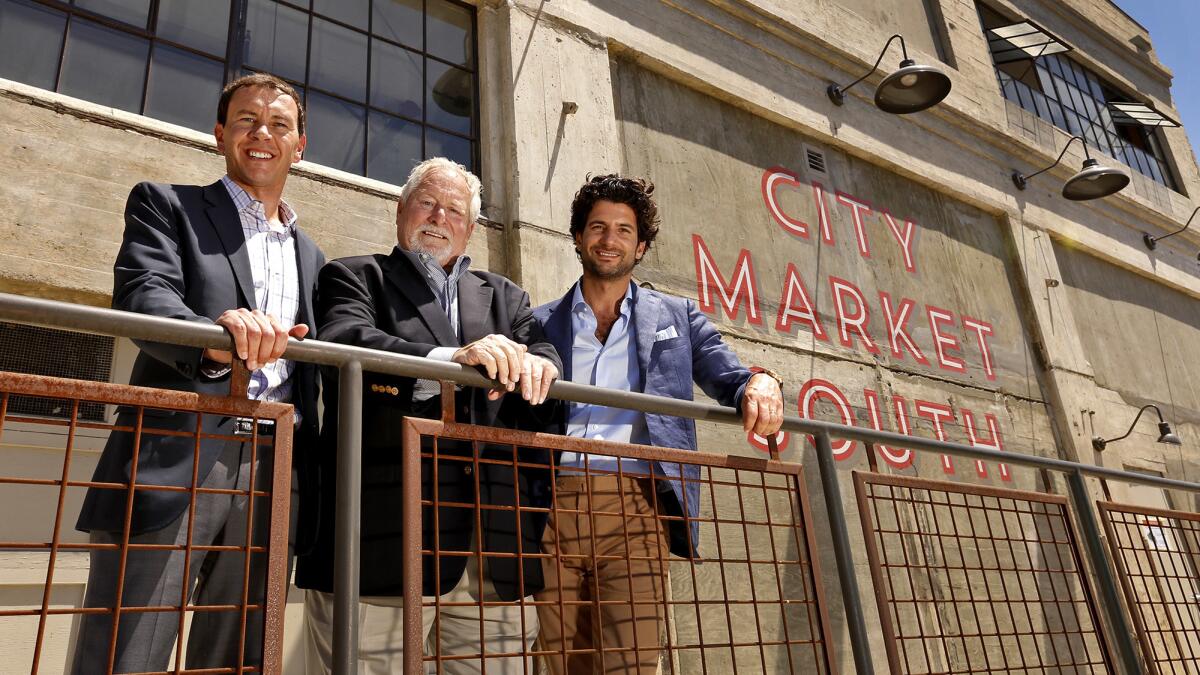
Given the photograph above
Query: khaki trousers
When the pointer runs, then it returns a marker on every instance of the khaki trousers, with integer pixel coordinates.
(509, 628)
(605, 580)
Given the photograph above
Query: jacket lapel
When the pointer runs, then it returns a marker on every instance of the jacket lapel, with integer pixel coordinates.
(560, 332)
(307, 275)
(405, 275)
(645, 317)
(228, 226)
(474, 307)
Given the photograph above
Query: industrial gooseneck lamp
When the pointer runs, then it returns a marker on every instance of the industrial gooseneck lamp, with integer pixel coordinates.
(1165, 435)
(912, 88)
(1152, 242)
(1093, 181)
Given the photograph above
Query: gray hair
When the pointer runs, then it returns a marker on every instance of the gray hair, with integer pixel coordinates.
(423, 169)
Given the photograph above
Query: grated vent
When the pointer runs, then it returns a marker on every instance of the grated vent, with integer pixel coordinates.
(56, 353)
(816, 160)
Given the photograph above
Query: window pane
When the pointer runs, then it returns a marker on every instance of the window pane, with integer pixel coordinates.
(183, 87)
(438, 144)
(104, 66)
(339, 60)
(136, 12)
(396, 79)
(398, 21)
(448, 30)
(30, 41)
(200, 24)
(336, 132)
(393, 149)
(450, 97)
(277, 39)
(353, 12)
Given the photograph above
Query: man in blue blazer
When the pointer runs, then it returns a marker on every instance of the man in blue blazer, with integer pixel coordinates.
(231, 254)
(604, 582)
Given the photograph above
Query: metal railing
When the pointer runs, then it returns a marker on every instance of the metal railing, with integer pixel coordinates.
(351, 361)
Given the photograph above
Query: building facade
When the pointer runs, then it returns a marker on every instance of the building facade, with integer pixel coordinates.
(885, 264)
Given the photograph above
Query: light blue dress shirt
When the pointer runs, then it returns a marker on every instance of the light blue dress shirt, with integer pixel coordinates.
(612, 364)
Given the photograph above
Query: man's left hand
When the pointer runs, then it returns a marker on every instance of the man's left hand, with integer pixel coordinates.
(762, 405)
(537, 374)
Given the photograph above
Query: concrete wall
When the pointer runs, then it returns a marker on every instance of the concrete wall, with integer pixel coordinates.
(706, 96)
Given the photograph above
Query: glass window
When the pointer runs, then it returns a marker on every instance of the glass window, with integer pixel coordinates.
(398, 21)
(133, 12)
(179, 82)
(277, 39)
(387, 82)
(199, 24)
(30, 42)
(104, 65)
(336, 133)
(393, 148)
(396, 79)
(1075, 99)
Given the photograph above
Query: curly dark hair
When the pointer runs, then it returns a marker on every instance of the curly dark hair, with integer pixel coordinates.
(636, 193)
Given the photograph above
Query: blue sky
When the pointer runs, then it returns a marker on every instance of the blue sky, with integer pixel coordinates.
(1173, 30)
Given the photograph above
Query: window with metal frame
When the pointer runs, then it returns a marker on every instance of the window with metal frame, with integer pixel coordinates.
(1050, 85)
(386, 83)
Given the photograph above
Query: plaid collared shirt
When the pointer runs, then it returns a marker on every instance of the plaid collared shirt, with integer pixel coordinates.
(272, 251)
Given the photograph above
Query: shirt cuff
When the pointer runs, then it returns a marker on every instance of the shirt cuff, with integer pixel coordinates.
(441, 353)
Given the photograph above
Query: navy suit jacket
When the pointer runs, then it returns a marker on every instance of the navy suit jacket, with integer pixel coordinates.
(183, 256)
(384, 302)
(667, 367)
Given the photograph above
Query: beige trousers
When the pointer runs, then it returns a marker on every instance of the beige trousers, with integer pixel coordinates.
(509, 628)
(604, 591)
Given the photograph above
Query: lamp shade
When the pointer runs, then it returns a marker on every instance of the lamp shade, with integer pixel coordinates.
(1094, 181)
(912, 88)
(1165, 435)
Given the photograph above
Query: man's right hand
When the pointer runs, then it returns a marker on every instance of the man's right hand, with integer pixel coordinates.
(258, 338)
(501, 358)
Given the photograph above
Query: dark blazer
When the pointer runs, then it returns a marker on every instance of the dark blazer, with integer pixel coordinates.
(183, 256)
(384, 302)
(668, 364)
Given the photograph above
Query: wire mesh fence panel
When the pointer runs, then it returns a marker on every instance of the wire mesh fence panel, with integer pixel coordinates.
(1158, 556)
(973, 579)
(563, 555)
(179, 528)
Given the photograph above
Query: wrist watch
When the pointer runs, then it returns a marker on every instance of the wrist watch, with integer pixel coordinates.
(769, 373)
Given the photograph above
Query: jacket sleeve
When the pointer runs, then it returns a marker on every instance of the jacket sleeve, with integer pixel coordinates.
(148, 275)
(346, 312)
(516, 412)
(714, 365)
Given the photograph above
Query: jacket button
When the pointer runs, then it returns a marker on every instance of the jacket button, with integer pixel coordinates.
(467, 470)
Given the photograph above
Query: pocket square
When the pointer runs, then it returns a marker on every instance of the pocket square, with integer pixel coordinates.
(666, 334)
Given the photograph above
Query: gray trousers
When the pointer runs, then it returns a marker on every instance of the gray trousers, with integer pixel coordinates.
(145, 640)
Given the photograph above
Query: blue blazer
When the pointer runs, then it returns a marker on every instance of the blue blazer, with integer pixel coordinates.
(667, 367)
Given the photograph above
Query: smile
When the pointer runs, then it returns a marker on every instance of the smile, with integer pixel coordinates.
(259, 154)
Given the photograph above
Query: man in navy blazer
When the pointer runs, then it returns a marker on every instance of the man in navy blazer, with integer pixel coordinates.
(612, 333)
(229, 254)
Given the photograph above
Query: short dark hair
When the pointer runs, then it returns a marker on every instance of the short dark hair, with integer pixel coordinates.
(258, 80)
(636, 193)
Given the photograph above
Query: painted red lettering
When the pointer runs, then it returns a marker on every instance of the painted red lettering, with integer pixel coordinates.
(904, 238)
(816, 389)
(856, 318)
(938, 414)
(857, 209)
(897, 327)
(744, 288)
(897, 457)
(995, 441)
(944, 342)
(772, 180)
(796, 305)
(982, 331)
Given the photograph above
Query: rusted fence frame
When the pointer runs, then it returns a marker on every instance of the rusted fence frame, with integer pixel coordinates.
(885, 588)
(351, 361)
(77, 391)
(1113, 515)
(416, 428)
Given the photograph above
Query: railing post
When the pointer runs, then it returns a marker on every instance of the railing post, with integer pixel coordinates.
(1122, 632)
(347, 519)
(847, 576)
